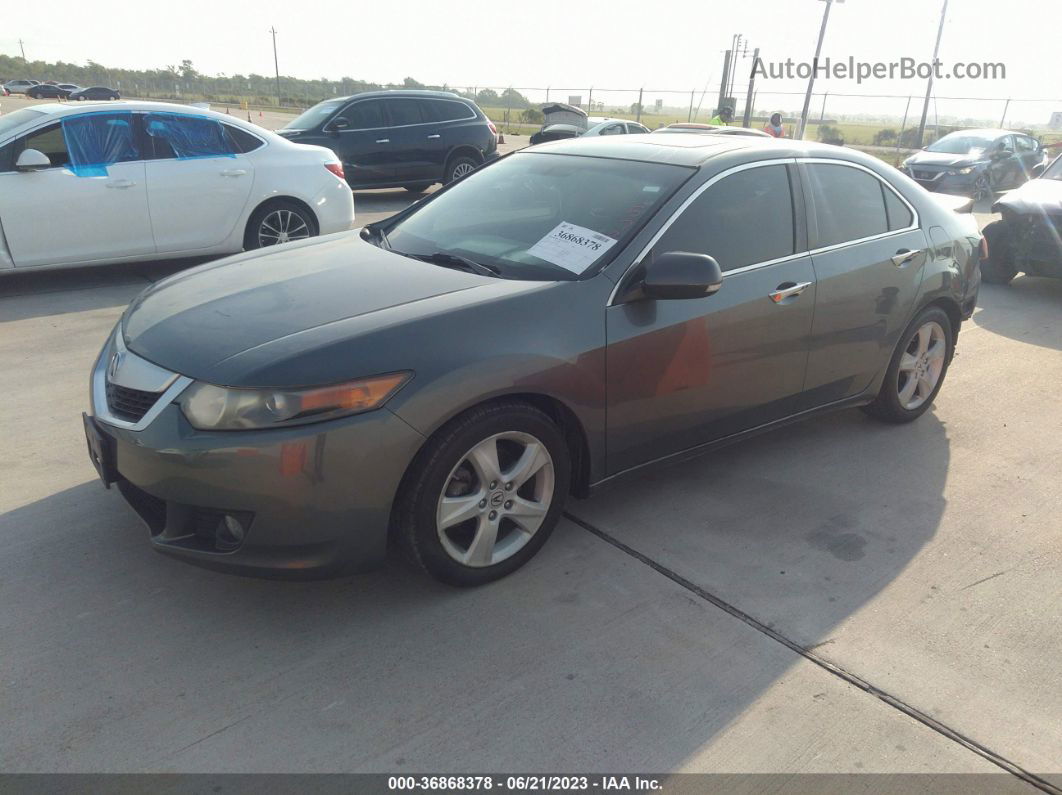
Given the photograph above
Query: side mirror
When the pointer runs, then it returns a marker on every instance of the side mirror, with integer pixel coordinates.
(680, 274)
(32, 160)
(339, 124)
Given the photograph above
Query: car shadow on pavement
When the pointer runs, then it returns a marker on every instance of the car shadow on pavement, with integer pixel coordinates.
(798, 528)
(39, 293)
(1029, 309)
(122, 659)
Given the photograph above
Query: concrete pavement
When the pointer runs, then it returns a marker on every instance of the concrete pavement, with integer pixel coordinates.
(837, 596)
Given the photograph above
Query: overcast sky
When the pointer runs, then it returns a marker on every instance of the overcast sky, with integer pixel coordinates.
(565, 44)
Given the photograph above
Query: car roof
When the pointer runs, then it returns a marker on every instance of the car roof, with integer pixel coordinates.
(403, 92)
(60, 110)
(57, 109)
(694, 149)
(987, 132)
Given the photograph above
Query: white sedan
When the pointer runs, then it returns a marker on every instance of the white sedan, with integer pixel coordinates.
(102, 183)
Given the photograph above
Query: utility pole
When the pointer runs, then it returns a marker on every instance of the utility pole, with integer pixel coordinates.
(276, 63)
(929, 86)
(726, 79)
(752, 82)
(23, 49)
(733, 65)
(814, 66)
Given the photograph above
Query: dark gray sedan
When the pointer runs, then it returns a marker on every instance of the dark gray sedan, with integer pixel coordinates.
(568, 315)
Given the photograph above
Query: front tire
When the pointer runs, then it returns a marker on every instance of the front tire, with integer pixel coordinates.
(917, 369)
(999, 267)
(484, 494)
(279, 222)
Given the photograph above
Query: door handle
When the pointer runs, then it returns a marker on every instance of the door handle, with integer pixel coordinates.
(433, 137)
(234, 172)
(788, 290)
(120, 184)
(383, 140)
(903, 256)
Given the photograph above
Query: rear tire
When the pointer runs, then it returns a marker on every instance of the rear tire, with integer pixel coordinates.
(278, 222)
(484, 494)
(999, 268)
(917, 369)
(459, 166)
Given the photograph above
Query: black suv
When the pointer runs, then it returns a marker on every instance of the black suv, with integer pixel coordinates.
(409, 139)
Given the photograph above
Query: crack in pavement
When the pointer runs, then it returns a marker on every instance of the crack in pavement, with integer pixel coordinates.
(807, 653)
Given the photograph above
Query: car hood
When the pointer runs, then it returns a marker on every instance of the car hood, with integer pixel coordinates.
(942, 159)
(247, 320)
(1035, 196)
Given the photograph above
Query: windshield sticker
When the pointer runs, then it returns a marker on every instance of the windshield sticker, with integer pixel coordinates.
(572, 247)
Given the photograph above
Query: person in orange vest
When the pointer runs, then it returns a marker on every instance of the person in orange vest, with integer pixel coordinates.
(774, 126)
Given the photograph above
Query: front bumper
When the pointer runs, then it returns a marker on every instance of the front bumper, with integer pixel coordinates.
(962, 184)
(311, 500)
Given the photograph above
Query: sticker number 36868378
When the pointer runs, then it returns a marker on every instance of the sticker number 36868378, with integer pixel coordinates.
(572, 247)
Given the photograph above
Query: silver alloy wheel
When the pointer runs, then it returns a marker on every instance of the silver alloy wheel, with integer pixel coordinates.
(921, 365)
(463, 168)
(495, 499)
(280, 226)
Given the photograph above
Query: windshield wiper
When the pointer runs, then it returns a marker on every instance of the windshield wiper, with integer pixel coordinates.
(456, 261)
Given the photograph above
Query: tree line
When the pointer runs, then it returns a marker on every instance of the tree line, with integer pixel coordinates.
(184, 81)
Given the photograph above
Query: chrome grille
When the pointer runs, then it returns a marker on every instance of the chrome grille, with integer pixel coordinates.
(129, 404)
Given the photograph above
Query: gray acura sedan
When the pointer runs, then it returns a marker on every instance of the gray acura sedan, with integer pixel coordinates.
(444, 379)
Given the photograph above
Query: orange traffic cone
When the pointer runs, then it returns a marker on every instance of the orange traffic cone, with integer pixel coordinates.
(501, 138)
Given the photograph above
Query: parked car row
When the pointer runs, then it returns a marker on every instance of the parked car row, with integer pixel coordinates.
(50, 90)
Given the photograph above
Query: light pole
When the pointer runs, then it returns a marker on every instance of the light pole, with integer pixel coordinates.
(814, 66)
(276, 65)
(929, 86)
(23, 50)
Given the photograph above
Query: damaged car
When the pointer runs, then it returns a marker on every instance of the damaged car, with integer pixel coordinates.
(1028, 236)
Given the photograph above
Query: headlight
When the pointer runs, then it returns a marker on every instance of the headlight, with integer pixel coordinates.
(963, 171)
(211, 408)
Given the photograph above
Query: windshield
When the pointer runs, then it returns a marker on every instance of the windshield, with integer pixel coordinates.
(309, 119)
(540, 216)
(960, 144)
(15, 119)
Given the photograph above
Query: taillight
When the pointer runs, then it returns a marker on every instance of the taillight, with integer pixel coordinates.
(493, 129)
(984, 249)
(336, 168)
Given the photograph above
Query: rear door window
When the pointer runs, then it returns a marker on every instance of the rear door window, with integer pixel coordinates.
(184, 137)
(744, 219)
(446, 110)
(241, 141)
(848, 203)
(402, 112)
(899, 214)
